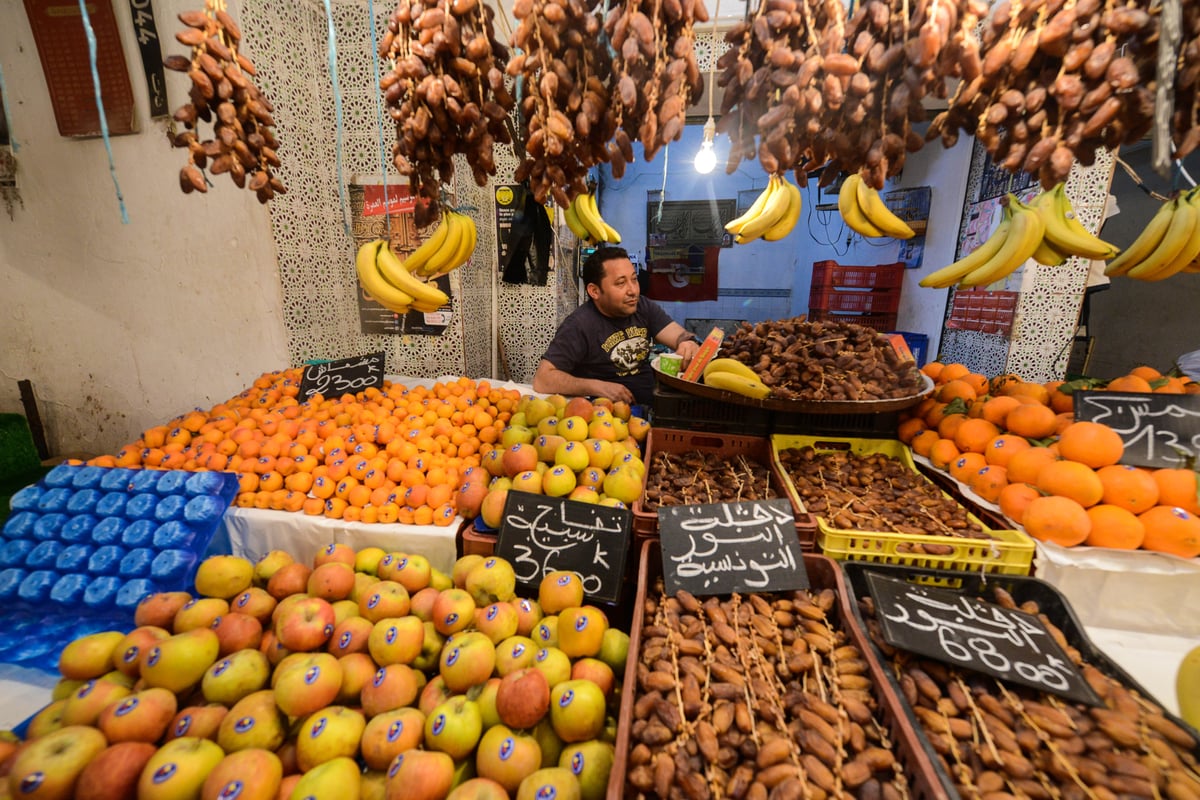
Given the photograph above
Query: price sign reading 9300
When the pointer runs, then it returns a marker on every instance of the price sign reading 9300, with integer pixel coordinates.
(952, 627)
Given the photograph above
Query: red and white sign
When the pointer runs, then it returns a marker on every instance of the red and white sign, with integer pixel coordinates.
(399, 200)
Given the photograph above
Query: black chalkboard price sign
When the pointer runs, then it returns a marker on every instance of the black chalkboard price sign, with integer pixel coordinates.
(721, 548)
(1159, 430)
(972, 633)
(540, 534)
(343, 376)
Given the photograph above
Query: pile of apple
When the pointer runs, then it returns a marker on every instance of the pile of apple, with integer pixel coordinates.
(584, 450)
(368, 675)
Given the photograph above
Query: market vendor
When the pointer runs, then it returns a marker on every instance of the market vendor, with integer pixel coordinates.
(603, 348)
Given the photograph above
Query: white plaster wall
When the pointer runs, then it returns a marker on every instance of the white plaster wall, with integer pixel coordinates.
(121, 327)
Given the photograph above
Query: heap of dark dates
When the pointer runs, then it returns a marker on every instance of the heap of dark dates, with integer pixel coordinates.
(825, 360)
(753, 697)
(223, 93)
(1000, 740)
(875, 492)
(697, 477)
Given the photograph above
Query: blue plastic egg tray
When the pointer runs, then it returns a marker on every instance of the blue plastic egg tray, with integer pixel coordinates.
(83, 546)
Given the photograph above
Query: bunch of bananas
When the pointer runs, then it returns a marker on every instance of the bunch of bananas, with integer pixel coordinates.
(1170, 242)
(584, 220)
(772, 215)
(865, 212)
(1045, 229)
(385, 278)
(734, 376)
(450, 246)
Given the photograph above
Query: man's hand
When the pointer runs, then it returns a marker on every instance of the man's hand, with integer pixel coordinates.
(688, 350)
(613, 391)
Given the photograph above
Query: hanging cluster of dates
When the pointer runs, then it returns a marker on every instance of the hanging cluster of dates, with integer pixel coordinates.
(1058, 79)
(1186, 120)
(807, 88)
(446, 92)
(223, 93)
(655, 72)
(565, 70)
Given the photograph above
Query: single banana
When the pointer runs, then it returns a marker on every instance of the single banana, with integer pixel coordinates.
(1187, 687)
(428, 248)
(851, 212)
(1063, 229)
(1146, 242)
(591, 220)
(775, 207)
(1024, 235)
(879, 214)
(374, 283)
(735, 225)
(1177, 237)
(610, 233)
(392, 271)
(738, 385)
(1047, 255)
(953, 273)
(788, 220)
(730, 365)
(571, 217)
(441, 259)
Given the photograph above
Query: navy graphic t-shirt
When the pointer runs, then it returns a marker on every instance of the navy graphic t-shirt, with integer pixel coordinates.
(591, 345)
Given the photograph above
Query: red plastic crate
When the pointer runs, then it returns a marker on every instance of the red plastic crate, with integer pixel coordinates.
(880, 322)
(878, 301)
(835, 275)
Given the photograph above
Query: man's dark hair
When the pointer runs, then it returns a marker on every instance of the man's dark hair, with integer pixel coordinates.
(592, 270)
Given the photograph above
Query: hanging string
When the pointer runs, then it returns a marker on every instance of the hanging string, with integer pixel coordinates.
(378, 106)
(12, 140)
(662, 193)
(337, 106)
(112, 169)
(1137, 180)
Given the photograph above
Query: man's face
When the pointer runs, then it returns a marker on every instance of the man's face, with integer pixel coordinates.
(618, 292)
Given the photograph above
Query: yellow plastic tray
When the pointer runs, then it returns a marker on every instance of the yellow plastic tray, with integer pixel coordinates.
(1008, 552)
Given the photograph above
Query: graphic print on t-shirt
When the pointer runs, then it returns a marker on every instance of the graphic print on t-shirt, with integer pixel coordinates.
(627, 349)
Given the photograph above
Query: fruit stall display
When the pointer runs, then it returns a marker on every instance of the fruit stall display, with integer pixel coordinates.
(1017, 445)
(361, 674)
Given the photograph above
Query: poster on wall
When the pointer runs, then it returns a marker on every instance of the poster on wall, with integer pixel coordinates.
(380, 212)
(524, 236)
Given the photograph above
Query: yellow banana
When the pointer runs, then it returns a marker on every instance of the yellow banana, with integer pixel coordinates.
(1024, 234)
(879, 214)
(851, 212)
(1063, 229)
(775, 207)
(1048, 255)
(1190, 250)
(1187, 687)
(470, 238)
(730, 365)
(428, 248)
(572, 220)
(392, 271)
(735, 225)
(787, 221)
(442, 259)
(590, 219)
(952, 273)
(1177, 237)
(1146, 242)
(610, 233)
(737, 384)
(374, 284)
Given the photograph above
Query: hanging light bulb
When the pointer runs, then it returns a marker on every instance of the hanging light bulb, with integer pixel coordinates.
(706, 158)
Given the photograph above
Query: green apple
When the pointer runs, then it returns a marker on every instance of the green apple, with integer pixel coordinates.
(538, 409)
(554, 664)
(492, 580)
(600, 452)
(389, 734)
(558, 481)
(252, 774)
(507, 757)
(345, 609)
(516, 434)
(614, 649)
(254, 722)
(367, 560)
(235, 676)
(571, 454)
(48, 767)
(464, 564)
(49, 718)
(438, 579)
(546, 632)
(623, 483)
(557, 782)
(142, 717)
(548, 740)
(336, 779)
(373, 785)
(89, 656)
(223, 576)
(485, 697)
(179, 662)
(573, 428)
(577, 710)
(548, 426)
(269, 564)
(454, 727)
(591, 762)
(179, 769)
(431, 649)
(514, 653)
(332, 732)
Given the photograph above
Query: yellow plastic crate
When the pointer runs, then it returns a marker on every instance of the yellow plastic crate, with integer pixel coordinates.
(1008, 552)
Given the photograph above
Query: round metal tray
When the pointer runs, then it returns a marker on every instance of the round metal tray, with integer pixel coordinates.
(795, 406)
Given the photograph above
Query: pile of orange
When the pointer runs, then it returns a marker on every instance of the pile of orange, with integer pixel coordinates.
(1015, 443)
(390, 454)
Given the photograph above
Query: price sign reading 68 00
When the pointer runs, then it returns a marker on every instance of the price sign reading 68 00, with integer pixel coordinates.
(958, 629)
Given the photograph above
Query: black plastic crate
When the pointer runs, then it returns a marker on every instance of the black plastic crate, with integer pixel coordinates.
(871, 426)
(688, 412)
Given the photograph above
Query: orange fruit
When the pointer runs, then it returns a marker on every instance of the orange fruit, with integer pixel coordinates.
(1015, 498)
(1171, 529)
(933, 369)
(995, 409)
(923, 441)
(954, 371)
(973, 435)
(910, 428)
(1115, 527)
(1024, 466)
(1091, 443)
(1031, 420)
(988, 482)
(1057, 519)
(1071, 479)
(1128, 383)
(1171, 385)
(942, 453)
(1062, 421)
(1177, 487)
(1000, 449)
(1019, 389)
(956, 390)
(1131, 488)
(962, 467)
(1145, 372)
(949, 425)
(1059, 401)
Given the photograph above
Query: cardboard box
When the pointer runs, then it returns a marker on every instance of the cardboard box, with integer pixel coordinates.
(708, 351)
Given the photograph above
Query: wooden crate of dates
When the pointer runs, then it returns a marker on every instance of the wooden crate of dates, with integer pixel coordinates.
(686, 467)
(773, 695)
(872, 504)
(992, 739)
